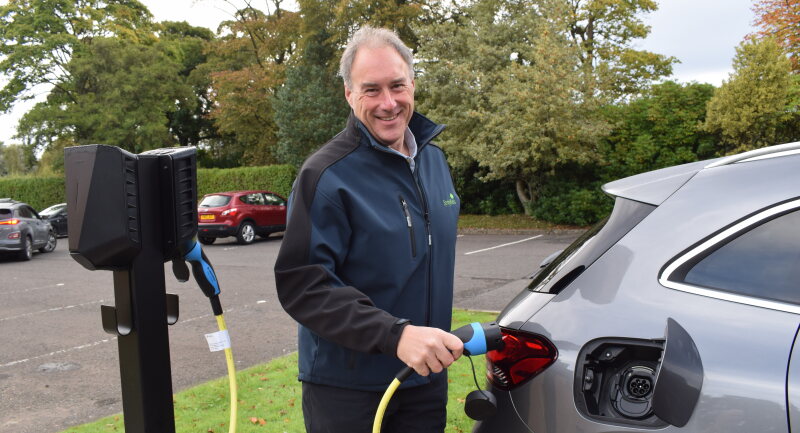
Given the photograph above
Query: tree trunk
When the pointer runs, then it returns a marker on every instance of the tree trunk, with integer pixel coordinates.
(525, 196)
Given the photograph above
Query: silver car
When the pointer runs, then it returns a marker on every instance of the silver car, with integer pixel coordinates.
(22, 230)
(678, 313)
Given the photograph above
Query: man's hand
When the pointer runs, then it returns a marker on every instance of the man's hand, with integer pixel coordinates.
(427, 349)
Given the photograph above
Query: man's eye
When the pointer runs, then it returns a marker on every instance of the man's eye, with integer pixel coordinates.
(371, 91)
(399, 86)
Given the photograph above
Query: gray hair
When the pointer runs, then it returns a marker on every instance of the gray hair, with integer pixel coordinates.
(373, 37)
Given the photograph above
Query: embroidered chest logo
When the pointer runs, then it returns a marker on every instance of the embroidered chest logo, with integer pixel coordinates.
(450, 202)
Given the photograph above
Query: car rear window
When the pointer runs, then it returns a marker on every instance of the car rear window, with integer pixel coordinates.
(590, 246)
(215, 201)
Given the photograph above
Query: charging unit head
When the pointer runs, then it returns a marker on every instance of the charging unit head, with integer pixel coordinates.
(103, 206)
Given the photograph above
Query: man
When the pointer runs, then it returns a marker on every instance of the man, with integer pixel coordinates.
(366, 264)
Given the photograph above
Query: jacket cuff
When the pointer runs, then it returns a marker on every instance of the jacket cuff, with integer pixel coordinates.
(393, 336)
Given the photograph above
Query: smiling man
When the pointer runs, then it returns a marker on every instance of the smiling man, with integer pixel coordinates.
(366, 264)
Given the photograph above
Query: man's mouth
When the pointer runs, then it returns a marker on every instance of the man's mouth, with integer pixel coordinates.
(387, 119)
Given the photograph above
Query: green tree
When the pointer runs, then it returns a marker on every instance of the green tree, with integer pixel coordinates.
(15, 160)
(190, 121)
(503, 76)
(119, 94)
(310, 107)
(604, 31)
(39, 37)
(757, 105)
(662, 128)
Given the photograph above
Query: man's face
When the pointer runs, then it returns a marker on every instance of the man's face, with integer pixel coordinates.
(382, 96)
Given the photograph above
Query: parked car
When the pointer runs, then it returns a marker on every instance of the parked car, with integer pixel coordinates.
(678, 313)
(22, 230)
(243, 214)
(56, 215)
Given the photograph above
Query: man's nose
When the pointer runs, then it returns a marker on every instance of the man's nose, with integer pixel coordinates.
(387, 101)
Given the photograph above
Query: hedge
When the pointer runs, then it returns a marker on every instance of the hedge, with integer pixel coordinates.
(41, 192)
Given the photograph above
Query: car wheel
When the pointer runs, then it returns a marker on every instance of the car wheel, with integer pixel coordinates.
(246, 233)
(27, 249)
(51, 243)
(206, 240)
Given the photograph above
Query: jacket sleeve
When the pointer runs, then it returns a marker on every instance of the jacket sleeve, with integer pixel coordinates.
(315, 243)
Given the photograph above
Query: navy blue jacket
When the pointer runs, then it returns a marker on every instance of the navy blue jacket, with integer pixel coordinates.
(367, 242)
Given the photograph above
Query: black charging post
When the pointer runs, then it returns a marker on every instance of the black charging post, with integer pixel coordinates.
(127, 215)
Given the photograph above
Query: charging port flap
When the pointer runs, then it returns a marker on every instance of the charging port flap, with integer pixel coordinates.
(679, 378)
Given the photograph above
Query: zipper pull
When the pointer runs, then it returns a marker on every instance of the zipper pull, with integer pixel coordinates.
(405, 210)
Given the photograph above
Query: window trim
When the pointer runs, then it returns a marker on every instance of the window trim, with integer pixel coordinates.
(723, 237)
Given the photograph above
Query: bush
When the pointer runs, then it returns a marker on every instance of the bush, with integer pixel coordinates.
(275, 178)
(41, 192)
(573, 206)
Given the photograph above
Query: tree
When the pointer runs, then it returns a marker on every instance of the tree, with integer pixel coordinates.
(662, 128)
(604, 30)
(310, 107)
(503, 76)
(190, 121)
(247, 66)
(780, 19)
(39, 37)
(756, 104)
(119, 94)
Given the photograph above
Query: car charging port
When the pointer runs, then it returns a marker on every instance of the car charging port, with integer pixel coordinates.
(615, 380)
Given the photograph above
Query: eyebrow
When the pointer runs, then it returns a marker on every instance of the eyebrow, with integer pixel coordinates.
(395, 81)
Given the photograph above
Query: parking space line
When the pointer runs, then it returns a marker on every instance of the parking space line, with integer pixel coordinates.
(51, 286)
(57, 352)
(49, 310)
(503, 245)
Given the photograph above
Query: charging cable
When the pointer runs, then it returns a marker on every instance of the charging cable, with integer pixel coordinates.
(207, 280)
(478, 338)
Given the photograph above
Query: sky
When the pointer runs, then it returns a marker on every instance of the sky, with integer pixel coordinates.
(701, 34)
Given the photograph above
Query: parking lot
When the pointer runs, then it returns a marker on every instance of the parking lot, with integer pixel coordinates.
(58, 368)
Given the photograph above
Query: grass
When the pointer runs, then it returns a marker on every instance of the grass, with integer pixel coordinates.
(504, 222)
(270, 399)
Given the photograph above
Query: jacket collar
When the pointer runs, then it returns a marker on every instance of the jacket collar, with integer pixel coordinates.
(424, 130)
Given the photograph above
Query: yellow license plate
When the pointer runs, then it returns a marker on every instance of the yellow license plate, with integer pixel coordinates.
(206, 217)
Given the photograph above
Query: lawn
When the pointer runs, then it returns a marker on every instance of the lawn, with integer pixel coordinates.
(505, 222)
(269, 397)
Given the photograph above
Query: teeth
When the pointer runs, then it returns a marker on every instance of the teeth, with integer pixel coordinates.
(387, 118)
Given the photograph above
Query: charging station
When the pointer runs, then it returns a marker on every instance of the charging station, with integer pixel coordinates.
(130, 214)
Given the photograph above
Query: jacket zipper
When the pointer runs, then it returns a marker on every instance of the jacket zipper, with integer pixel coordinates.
(424, 200)
(410, 226)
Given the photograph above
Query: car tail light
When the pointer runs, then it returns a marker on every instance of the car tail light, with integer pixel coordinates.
(13, 235)
(232, 212)
(524, 356)
(11, 222)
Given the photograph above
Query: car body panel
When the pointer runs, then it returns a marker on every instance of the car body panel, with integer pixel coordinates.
(655, 186)
(793, 387)
(745, 349)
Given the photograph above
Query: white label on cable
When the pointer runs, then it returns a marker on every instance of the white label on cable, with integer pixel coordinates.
(219, 340)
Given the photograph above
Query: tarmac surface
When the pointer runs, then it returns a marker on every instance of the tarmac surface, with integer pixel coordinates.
(58, 368)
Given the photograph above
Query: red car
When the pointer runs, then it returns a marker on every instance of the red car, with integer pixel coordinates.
(243, 214)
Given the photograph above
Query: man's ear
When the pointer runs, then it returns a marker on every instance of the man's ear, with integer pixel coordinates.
(348, 94)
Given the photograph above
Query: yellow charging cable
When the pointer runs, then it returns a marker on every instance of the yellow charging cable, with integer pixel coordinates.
(387, 395)
(231, 376)
(376, 425)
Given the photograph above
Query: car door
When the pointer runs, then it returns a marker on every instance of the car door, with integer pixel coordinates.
(256, 208)
(276, 209)
(755, 262)
(40, 229)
